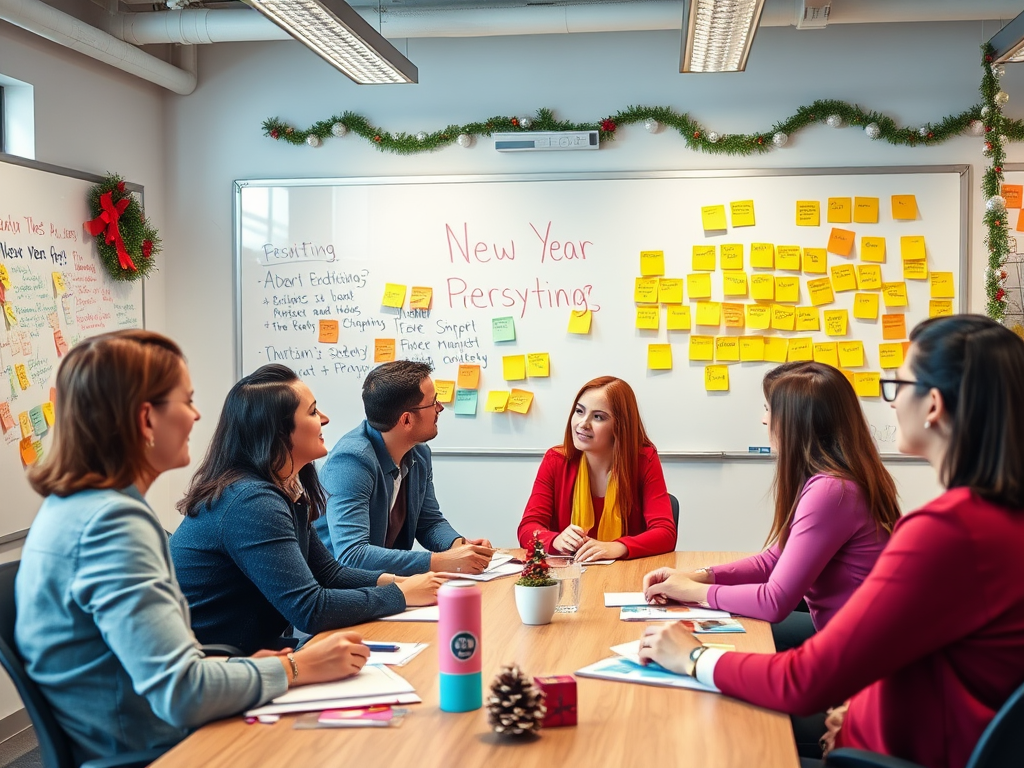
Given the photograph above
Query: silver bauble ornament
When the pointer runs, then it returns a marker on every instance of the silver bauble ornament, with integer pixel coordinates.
(780, 139)
(872, 130)
(396, 135)
(834, 121)
(977, 127)
(985, 110)
(1003, 138)
(712, 137)
(313, 140)
(339, 129)
(421, 136)
(998, 70)
(923, 131)
(1001, 98)
(525, 122)
(651, 125)
(995, 203)
(464, 140)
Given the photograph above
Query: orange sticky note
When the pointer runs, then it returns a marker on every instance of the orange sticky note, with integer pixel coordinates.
(394, 295)
(841, 241)
(844, 278)
(659, 357)
(762, 255)
(421, 297)
(732, 314)
(1020, 221)
(787, 257)
(703, 258)
(727, 349)
(519, 401)
(912, 248)
(820, 291)
(444, 389)
(894, 326)
(808, 213)
(775, 349)
(579, 321)
(678, 318)
(716, 378)
(904, 207)
(383, 350)
(872, 249)
(1012, 193)
(865, 210)
(815, 261)
(469, 377)
(22, 373)
(826, 353)
(801, 350)
(328, 332)
(839, 210)
(7, 420)
(28, 451)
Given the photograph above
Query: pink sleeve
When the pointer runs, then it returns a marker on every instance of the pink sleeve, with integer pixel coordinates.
(822, 524)
(660, 534)
(540, 514)
(750, 570)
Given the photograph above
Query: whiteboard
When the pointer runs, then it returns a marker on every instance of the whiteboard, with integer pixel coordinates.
(42, 212)
(534, 248)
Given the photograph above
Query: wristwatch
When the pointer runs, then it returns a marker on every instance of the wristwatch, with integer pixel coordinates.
(691, 667)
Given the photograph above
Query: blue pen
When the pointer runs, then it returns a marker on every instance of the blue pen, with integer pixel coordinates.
(383, 647)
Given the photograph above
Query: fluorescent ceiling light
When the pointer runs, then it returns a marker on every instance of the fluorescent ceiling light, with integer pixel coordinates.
(337, 33)
(1008, 42)
(718, 34)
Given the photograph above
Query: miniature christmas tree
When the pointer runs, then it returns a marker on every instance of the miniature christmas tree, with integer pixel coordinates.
(535, 572)
(515, 706)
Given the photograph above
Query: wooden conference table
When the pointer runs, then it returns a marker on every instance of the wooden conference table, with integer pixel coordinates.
(620, 724)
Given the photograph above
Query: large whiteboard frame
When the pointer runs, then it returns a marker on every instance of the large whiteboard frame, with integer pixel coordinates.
(963, 274)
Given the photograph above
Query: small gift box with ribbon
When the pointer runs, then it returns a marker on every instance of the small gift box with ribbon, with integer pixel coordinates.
(560, 699)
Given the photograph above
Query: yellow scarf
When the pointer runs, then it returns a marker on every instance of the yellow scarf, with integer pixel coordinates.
(612, 525)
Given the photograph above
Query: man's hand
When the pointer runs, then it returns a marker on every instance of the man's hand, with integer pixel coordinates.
(466, 558)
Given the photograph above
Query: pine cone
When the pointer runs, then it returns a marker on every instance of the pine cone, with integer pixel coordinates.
(514, 706)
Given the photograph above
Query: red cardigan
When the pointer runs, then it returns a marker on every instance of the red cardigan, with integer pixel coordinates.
(932, 643)
(650, 529)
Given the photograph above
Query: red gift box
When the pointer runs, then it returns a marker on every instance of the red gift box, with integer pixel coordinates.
(560, 699)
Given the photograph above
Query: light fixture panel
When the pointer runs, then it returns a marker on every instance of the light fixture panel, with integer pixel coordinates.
(717, 34)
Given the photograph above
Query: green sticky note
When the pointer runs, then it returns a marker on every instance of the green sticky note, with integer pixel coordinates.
(465, 402)
(503, 329)
(39, 425)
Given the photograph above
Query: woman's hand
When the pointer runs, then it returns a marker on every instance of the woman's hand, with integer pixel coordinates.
(666, 584)
(669, 645)
(569, 540)
(421, 589)
(833, 723)
(593, 549)
(334, 657)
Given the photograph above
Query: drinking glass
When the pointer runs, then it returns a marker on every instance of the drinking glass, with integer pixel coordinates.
(566, 572)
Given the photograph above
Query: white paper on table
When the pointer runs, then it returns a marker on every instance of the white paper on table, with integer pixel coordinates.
(270, 710)
(596, 562)
(427, 613)
(498, 559)
(371, 681)
(492, 573)
(627, 671)
(406, 652)
(619, 599)
(669, 613)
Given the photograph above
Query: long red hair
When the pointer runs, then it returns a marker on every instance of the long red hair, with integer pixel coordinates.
(628, 436)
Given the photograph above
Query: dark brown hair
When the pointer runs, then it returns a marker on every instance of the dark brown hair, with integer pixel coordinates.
(102, 384)
(819, 428)
(390, 390)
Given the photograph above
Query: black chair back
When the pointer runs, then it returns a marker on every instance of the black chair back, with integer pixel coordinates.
(54, 748)
(675, 509)
(1002, 743)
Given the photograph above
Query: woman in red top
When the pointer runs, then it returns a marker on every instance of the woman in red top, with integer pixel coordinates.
(932, 643)
(601, 494)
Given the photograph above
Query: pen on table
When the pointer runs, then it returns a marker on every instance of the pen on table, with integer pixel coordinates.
(383, 647)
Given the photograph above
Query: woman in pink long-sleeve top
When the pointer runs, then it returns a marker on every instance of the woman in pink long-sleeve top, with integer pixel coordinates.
(932, 644)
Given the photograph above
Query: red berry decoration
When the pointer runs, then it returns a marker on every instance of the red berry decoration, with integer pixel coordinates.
(120, 187)
(514, 121)
(377, 138)
(999, 223)
(608, 125)
(147, 248)
(988, 58)
(931, 135)
(275, 134)
(760, 139)
(998, 169)
(999, 294)
(988, 129)
(696, 134)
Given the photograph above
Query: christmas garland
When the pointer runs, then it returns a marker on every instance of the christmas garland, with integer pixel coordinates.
(125, 238)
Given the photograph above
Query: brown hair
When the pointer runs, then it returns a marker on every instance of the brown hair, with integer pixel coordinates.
(102, 384)
(820, 428)
(628, 435)
(390, 390)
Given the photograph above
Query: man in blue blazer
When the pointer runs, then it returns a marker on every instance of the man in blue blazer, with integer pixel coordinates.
(381, 484)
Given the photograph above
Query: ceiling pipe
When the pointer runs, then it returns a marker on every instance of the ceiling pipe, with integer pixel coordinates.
(46, 21)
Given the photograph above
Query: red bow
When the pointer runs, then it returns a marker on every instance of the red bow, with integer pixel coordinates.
(108, 220)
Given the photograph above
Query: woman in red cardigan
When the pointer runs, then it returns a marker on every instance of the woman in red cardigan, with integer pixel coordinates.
(601, 494)
(932, 643)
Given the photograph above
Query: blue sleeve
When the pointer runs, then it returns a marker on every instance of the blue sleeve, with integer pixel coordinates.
(329, 572)
(432, 530)
(124, 582)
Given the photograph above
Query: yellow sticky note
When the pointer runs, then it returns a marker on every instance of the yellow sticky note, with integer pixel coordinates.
(645, 290)
(844, 278)
(698, 286)
(776, 349)
(579, 321)
(12, 318)
(652, 263)
(497, 400)
(732, 314)
(731, 256)
(703, 258)
(751, 348)
(904, 207)
(787, 290)
(894, 326)
(421, 297)
(851, 353)
(538, 365)
(825, 352)
(58, 283)
(867, 384)
(742, 213)
(469, 376)
(787, 257)
(5, 277)
(1012, 193)
(865, 306)
(869, 277)
(734, 283)
(808, 319)
(445, 390)
(519, 401)
(513, 367)
(890, 355)
(709, 313)
(839, 210)
(840, 241)
(912, 248)
(820, 291)
(328, 332)
(48, 413)
(702, 347)
(865, 210)
(872, 249)
(659, 357)
(394, 295)
(727, 349)
(815, 261)
(383, 350)
(678, 318)
(808, 213)
(647, 318)
(716, 378)
(670, 290)
(23, 380)
(940, 307)
(800, 350)
(915, 270)
(783, 317)
(25, 422)
(836, 322)
(713, 216)
(759, 317)
(894, 294)
(942, 285)
(762, 287)
(762, 255)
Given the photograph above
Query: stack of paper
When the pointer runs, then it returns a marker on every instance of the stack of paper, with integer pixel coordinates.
(669, 613)
(428, 613)
(373, 685)
(501, 565)
(406, 652)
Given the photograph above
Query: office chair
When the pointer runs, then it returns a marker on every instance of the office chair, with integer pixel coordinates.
(675, 509)
(1002, 744)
